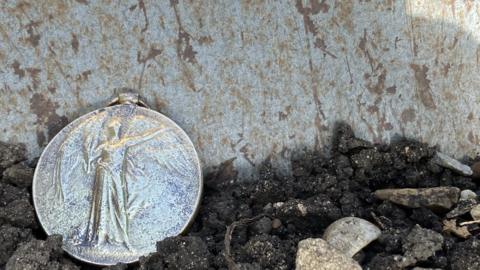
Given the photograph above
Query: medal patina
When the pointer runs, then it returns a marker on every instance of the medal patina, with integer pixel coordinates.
(117, 180)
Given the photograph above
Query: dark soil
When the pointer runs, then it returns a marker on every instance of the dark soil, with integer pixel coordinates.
(257, 224)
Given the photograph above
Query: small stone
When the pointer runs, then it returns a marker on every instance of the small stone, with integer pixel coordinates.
(351, 234)
(278, 204)
(443, 198)
(450, 226)
(421, 244)
(453, 164)
(382, 261)
(19, 213)
(462, 207)
(317, 254)
(476, 170)
(319, 205)
(421, 268)
(19, 175)
(467, 194)
(475, 212)
(11, 154)
(276, 223)
(303, 210)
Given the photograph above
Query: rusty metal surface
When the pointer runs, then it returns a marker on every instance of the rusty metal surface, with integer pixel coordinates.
(247, 79)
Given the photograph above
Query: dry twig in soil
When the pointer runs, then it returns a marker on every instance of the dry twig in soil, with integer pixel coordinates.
(228, 238)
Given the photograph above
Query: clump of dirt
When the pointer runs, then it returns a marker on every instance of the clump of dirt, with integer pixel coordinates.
(258, 224)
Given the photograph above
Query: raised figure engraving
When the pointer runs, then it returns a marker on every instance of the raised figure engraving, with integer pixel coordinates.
(109, 208)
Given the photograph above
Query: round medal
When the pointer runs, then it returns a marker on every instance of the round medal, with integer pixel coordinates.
(117, 180)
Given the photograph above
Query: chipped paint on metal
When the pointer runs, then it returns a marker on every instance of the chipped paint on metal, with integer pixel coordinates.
(248, 80)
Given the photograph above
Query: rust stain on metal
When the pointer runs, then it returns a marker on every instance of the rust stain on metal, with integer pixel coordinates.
(314, 8)
(473, 138)
(244, 85)
(33, 38)
(17, 70)
(74, 43)
(245, 150)
(392, 89)
(152, 53)
(423, 85)
(21, 72)
(141, 5)
(309, 26)
(34, 72)
(46, 114)
(184, 48)
(284, 114)
(85, 74)
(42, 107)
(362, 45)
(205, 40)
(446, 68)
(160, 104)
(376, 83)
(41, 139)
(344, 14)
(408, 115)
(320, 44)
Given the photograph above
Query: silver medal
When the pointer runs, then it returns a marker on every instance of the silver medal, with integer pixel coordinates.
(117, 180)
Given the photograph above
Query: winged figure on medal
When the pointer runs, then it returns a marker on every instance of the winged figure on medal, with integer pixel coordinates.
(119, 178)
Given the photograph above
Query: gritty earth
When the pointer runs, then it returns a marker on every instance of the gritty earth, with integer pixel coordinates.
(258, 224)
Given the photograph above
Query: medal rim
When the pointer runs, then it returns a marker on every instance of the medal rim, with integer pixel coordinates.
(200, 179)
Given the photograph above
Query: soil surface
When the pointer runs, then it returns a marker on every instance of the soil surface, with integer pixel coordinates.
(258, 224)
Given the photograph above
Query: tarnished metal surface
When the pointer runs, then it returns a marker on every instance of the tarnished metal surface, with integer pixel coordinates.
(116, 181)
(248, 79)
